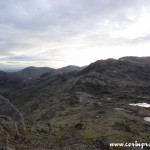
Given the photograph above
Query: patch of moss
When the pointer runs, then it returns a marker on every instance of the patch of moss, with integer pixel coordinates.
(89, 135)
(58, 136)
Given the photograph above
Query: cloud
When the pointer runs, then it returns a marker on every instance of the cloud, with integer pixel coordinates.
(61, 30)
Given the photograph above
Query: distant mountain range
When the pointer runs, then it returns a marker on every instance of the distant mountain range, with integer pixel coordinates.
(84, 107)
(34, 70)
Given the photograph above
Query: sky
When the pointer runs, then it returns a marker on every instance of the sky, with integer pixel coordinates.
(58, 33)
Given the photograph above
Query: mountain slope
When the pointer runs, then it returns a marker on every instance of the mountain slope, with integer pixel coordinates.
(137, 60)
(118, 79)
(8, 110)
(88, 108)
(10, 82)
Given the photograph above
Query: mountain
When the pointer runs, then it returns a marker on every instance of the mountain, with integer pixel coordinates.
(35, 70)
(137, 60)
(70, 68)
(9, 82)
(85, 108)
(30, 71)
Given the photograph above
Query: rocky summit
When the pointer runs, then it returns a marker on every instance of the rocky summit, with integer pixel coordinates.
(76, 108)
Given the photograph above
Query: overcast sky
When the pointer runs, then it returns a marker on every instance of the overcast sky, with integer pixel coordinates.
(58, 33)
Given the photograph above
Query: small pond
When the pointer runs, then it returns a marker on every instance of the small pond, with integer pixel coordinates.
(140, 104)
(146, 105)
(147, 119)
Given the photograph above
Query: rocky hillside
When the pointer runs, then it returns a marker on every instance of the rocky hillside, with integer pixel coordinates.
(137, 60)
(11, 122)
(85, 109)
(9, 110)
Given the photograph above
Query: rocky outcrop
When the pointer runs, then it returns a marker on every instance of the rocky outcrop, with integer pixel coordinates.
(11, 123)
(8, 110)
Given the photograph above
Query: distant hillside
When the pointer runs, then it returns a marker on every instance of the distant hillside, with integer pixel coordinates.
(35, 70)
(70, 68)
(10, 82)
